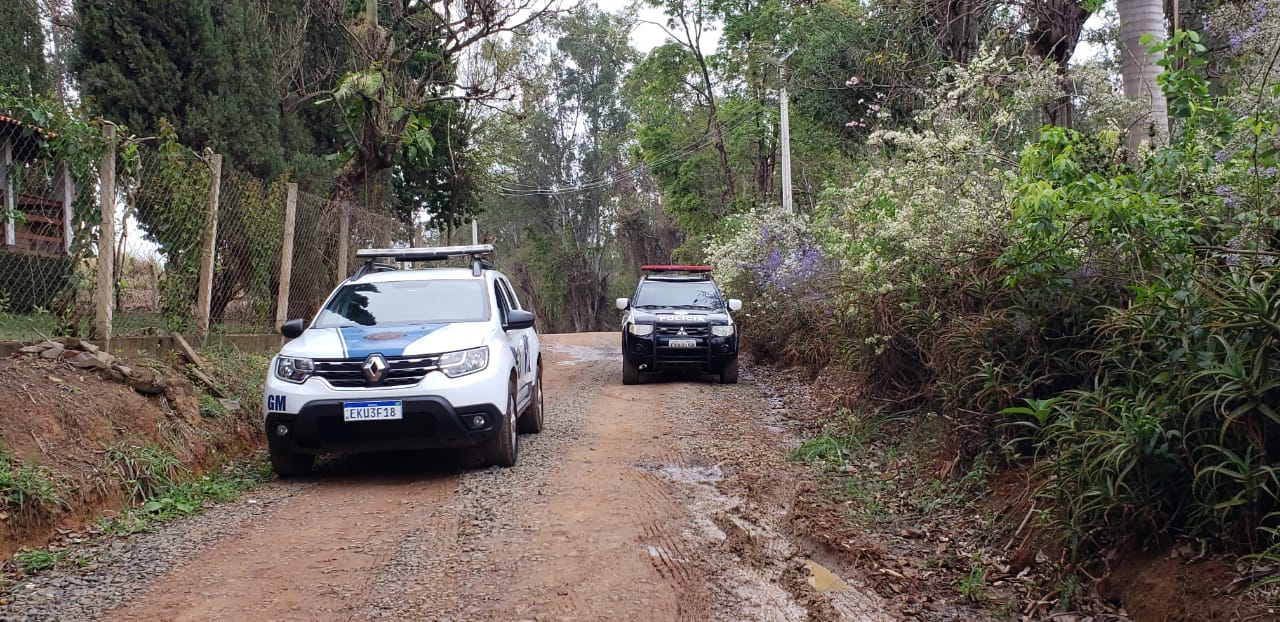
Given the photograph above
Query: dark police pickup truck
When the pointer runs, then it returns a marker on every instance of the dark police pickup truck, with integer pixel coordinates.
(677, 320)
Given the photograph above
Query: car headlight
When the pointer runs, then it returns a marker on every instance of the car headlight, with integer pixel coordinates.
(464, 362)
(640, 330)
(722, 330)
(292, 369)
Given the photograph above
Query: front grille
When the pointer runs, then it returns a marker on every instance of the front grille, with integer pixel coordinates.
(673, 330)
(403, 371)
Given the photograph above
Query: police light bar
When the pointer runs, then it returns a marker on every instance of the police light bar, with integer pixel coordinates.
(433, 253)
(668, 268)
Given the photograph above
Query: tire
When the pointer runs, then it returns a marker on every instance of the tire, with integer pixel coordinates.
(630, 372)
(288, 464)
(729, 373)
(503, 449)
(531, 419)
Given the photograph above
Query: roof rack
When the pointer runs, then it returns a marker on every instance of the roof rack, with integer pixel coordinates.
(676, 272)
(480, 255)
(670, 268)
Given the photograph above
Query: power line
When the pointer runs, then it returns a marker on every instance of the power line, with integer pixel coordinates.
(626, 175)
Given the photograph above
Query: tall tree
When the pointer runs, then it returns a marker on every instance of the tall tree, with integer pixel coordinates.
(23, 70)
(1139, 68)
(406, 54)
(566, 174)
(687, 24)
(205, 65)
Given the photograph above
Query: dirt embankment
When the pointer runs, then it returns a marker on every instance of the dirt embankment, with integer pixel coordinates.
(74, 437)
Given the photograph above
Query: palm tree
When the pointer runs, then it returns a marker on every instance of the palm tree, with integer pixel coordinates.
(1139, 69)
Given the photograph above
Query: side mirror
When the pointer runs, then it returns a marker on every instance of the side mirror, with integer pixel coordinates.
(518, 319)
(735, 304)
(622, 303)
(293, 328)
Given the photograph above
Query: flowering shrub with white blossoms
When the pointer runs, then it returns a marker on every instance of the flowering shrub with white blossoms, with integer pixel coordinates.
(769, 252)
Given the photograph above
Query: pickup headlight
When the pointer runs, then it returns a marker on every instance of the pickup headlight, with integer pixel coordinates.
(640, 330)
(292, 369)
(724, 330)
(464, 362)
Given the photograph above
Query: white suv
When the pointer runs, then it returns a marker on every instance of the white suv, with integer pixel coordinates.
(407, 359)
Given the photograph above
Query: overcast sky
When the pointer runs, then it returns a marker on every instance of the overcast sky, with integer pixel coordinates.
(646, 36)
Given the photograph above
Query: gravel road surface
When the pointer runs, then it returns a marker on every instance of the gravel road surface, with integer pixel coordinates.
(663, 501)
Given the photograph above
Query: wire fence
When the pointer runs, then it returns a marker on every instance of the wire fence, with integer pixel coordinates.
(40, 234)
(197, 246)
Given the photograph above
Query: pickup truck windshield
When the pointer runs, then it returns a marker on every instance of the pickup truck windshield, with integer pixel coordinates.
(406, 302)
(690, 294)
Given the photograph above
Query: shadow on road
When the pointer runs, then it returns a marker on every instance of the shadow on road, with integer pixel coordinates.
(394, 467)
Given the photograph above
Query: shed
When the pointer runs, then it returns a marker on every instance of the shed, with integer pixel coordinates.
(36, 193)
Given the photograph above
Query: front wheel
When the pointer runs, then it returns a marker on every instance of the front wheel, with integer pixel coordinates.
(729, 373)
(288, 463)
(503, 448)
(630, 372)
(531, 420)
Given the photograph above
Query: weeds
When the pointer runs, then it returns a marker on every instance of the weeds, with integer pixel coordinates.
(826, 448)
(184, 497)
(35, 560)
(29, 491)
(973, 586)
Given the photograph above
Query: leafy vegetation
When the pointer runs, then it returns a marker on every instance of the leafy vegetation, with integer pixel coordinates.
(29, 492)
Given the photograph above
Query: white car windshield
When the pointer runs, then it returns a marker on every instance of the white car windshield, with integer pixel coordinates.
(406, 302)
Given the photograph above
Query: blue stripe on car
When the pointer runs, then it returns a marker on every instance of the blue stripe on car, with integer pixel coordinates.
(361, 341)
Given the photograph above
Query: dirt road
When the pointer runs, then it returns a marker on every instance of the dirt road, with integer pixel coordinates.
(664, 501)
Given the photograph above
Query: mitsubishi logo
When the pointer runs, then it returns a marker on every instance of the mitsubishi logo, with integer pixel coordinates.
(375, 368)
(682, 331)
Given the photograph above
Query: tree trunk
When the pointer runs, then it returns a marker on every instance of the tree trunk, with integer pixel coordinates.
(1055, 32)
(1139, 70)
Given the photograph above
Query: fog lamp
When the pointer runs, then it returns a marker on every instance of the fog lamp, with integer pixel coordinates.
(477, 421)
(282, 430)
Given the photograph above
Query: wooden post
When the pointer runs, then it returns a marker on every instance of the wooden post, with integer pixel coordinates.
(344, 239)
(67, 192)
(104, 293)
(204, 294)
(286, 256)
(6, 184)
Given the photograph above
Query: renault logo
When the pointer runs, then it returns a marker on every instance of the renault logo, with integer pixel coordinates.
(375, 368)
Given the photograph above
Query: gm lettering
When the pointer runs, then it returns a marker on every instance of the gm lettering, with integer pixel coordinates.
(275, 402)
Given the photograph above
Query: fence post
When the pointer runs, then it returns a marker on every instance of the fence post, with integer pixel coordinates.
(344, 239)
(104, 293)
(286, 256)
(204, 295)
(10, 206)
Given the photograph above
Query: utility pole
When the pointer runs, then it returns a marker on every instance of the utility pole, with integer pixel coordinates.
(786, 151)
(785, 128)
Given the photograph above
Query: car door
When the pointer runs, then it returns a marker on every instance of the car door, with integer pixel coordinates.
(523, 342)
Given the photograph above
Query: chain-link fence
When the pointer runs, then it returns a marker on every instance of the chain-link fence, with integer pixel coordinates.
(46, 223)
(197, 245)
(162, 212)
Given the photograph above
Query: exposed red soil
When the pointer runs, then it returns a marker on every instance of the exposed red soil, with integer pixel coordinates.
(1165, 588)
(63, 418)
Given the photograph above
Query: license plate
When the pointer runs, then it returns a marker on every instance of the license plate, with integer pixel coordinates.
(372, 411)
(682, 343)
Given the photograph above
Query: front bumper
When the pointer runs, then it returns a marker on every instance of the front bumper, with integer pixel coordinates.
(651, 353)
(428, 423)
